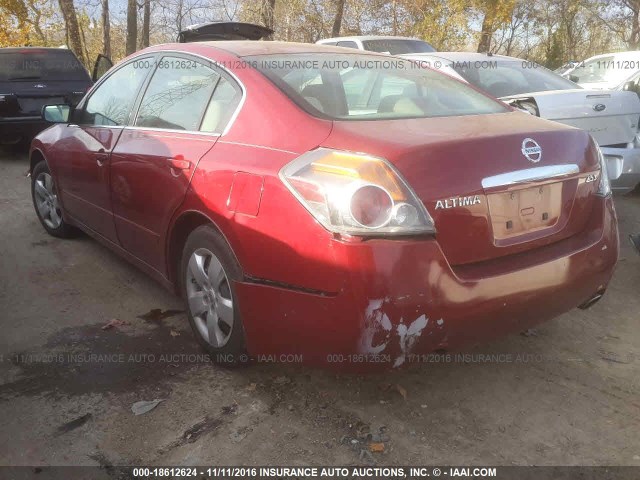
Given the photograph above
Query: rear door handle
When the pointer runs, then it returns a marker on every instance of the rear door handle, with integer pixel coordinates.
(101, 157)
(179, 163)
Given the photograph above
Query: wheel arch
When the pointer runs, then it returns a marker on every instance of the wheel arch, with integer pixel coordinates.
(181, 228)
(36, 157)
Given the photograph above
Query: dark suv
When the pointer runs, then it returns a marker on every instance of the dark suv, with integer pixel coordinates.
(32, 77)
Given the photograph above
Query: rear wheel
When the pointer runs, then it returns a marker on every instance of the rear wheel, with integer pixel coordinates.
(45, 201)
(208, 270)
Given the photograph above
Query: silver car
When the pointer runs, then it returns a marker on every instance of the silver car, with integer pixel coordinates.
(610, 116)
(380, 44)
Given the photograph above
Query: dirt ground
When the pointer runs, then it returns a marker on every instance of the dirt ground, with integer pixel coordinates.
(568, 395)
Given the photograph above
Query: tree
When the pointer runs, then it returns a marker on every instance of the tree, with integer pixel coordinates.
(106, 29)
(146, 21)
(337, 22)
(132, 27)
(267, 12)
(495, 14)
(74, 40)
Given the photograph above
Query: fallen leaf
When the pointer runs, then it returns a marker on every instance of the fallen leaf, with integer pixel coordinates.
(145, 406)
(402, 391)
(252, 386)
(156, 314)
(376, 447)
(173, 333)
(282, 380)
(114, 322)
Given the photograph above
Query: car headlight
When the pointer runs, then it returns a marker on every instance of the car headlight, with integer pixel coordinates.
(604, 188)
(355, 194)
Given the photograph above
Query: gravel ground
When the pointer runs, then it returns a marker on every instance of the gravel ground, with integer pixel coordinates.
(567, 393)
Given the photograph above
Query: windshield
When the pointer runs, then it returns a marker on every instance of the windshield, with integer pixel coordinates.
(507, 78)
(604, 69)
(28, 64)
(368, 87)
(397, 46)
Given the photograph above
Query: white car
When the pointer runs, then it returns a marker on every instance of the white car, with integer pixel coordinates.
(611, 116)
(605, 71)
(381, 44)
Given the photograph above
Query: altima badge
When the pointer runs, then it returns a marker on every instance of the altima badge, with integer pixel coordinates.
(531, 150)
(458, 202)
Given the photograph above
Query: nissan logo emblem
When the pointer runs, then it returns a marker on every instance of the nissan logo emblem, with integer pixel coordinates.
(531, 150)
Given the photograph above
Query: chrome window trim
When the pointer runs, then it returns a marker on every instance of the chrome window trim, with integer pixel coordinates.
(171, 130)
(214, 64)
(530, 175)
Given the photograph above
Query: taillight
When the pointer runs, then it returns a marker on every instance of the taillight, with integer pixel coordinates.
(356, 194)
(604, 187)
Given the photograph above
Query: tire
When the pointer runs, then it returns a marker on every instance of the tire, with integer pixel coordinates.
(45, 202)
(207, 271)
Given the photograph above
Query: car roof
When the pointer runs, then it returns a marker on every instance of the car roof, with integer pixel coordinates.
(22, 49)
(631, 54)
(245, 48)
(368, 37)
(462, 56)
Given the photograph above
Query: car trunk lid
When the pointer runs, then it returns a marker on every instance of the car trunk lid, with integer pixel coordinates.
(489, 190)
(610, 116)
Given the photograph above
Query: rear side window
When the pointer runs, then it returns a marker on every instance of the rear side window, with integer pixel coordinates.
(369, 87)
(177, 95)
(397, 46)
(111, 102)
(347, 44)
(222, 106)
(38, 64)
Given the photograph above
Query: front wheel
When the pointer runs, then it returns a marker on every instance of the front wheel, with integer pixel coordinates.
(45, 201)
(208, 270)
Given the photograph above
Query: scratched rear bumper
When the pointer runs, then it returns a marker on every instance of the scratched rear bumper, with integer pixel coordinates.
(623, 166)
(403, 299)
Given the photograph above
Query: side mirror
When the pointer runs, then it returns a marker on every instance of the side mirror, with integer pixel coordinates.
(629, 87)
(574, 78)
(56, 113)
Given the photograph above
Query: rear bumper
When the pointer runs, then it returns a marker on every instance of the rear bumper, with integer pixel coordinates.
(623, 165)
(402, 299)
(21, 127)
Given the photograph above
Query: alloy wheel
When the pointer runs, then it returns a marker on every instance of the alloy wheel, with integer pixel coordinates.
(209, 297)
(47, 201)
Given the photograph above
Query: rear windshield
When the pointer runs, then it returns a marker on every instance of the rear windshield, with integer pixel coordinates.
(369, 87)
(27, 64)
(506, 78)
(397, 46)
(605, 69)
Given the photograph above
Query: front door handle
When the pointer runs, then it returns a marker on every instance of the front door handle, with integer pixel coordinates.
(179, 163)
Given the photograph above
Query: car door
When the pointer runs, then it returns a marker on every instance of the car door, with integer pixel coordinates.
(84, 154)
(180, 116)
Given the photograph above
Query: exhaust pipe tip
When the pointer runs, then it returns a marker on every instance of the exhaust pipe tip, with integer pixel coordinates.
(592, 301)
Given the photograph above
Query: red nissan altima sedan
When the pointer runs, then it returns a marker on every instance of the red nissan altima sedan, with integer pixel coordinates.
(340, 206)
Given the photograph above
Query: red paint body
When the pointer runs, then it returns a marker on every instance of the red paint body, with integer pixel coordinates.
(307, 290)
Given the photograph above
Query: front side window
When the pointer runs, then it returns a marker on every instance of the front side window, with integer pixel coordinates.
(111, 102)
(177, 95)
(369, 87)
